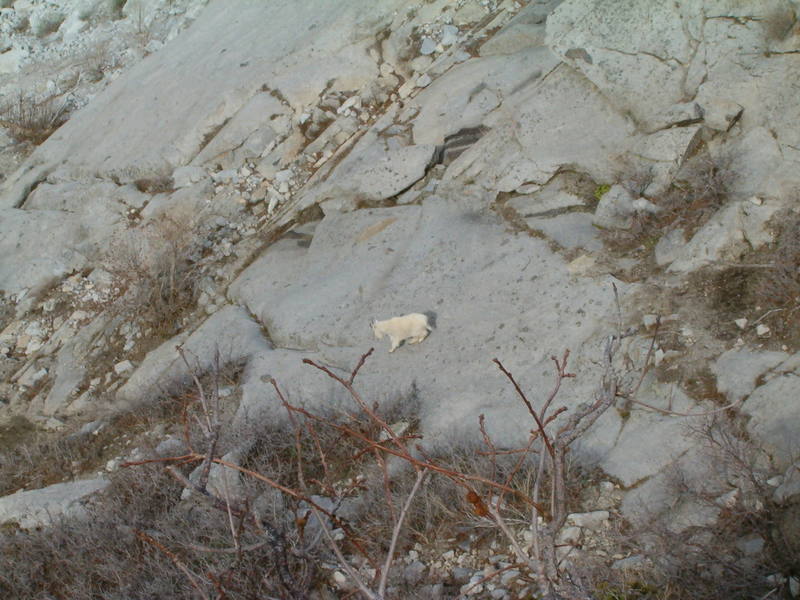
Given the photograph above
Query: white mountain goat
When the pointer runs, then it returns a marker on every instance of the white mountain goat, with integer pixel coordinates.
(413, 328)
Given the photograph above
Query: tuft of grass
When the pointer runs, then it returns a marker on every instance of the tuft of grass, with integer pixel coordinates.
(601, 191)
(32, 120)
(701, 188)
(157, 273)
(155, 185)
(778, 289)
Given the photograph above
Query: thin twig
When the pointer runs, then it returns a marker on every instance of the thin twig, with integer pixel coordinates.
(398, 526)
(524, 398)
(174, 558)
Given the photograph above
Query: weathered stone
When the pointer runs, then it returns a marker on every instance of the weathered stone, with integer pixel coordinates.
(320, 299)
(649, 441)
(669, 246)
(615, 208)
(738, 370)
(371, 172)
(467, 93)
(543, 128)
(774, 418)
(70, 369)
(185, 176)
(789, 487)
(40, 507)
(230, 333)
(133, 128)
(734, 229)
(589, 520)
(612, 44)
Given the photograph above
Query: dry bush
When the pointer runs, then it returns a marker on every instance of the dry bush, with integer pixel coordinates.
(777, 289)
(32, 120)
(156, 271)
(33, 459)
(99, 557)
(350, 484)
(701, 187)
(155, 185)
(708, 562)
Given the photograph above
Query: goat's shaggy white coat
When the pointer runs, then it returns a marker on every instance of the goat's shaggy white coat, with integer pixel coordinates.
(413, 328)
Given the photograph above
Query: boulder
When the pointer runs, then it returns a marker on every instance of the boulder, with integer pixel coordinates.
(37, 508)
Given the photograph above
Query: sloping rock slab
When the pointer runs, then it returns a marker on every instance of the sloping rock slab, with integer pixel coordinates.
(159, 114)
(230, 333)
(561, 121)
(41, 507)
(491, 293)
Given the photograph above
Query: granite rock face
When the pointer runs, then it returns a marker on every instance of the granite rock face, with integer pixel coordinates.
(472, 161)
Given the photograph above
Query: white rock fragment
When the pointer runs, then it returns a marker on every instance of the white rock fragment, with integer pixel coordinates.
(649, 321)
(123, 367)
(762, 330)
(449, 35)
(589, 520)
(741, 323)
(428, 46)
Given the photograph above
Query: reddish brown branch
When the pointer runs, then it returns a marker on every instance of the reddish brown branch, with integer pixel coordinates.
(524, 398)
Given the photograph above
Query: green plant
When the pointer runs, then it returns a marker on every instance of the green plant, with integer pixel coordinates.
(601, 191)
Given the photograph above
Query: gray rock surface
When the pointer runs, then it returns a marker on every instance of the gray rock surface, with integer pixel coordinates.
(543, 127)
(738, 370)
(240, 129)
(322, 299)
(34, 508)
(735, 228)
(774, 418)
(131, 130)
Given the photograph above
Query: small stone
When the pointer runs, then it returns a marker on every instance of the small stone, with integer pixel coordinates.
(659, 356)
(590, 520)
(649, 321)
(339, 578)
(52, 424)
(123, 367)
(750, 545)
(741, 323)
(414, 572)
(424, 80)
(762, 330)
(728, 499)
(33, 346)
(427, 47)
(405, 90)
(449, 35)
(569, 535)
(756, 200)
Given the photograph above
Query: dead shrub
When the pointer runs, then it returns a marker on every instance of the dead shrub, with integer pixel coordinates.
(155, 185)
(705, 562)
(701, 187)
(156, 270)
(32, 120)
(32, 459)
(777, 289)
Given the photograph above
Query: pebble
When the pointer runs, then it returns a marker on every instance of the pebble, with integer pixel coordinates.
(427, 47)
